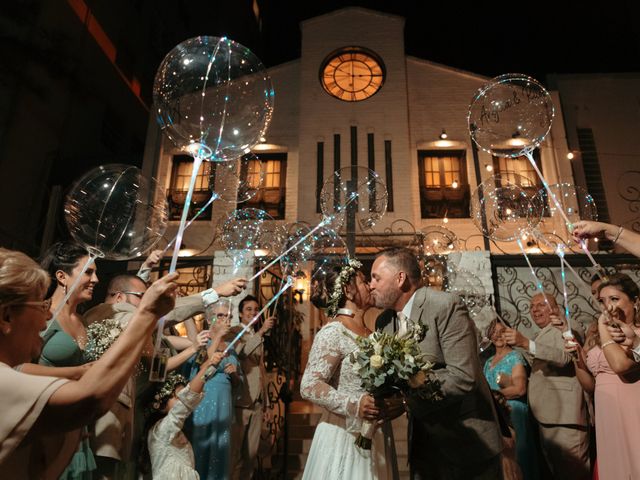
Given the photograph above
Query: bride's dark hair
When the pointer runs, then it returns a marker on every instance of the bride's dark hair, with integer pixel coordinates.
(322, 288)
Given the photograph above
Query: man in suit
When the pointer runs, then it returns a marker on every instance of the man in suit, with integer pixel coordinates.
(556, 398)
(457, 437)
(250, 405)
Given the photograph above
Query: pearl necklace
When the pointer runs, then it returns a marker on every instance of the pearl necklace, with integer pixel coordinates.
(346, 312)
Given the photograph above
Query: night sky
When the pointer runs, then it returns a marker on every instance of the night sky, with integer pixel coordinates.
(488, 38)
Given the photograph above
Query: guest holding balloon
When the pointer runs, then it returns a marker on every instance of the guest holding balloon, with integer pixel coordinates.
(38, 409)
(209, 428)
(606, 368)
(556, 398)
(66, 336)
(505, 371)
(618, 235)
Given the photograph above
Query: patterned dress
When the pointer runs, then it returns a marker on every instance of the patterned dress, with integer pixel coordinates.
(330, 381)
(525, 440)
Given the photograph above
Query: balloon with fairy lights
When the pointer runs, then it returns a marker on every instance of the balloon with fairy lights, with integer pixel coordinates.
(576, 203)
(468, 287)
(437, 240)
(320, 246)
(356, 193)
(242, 233)
(510, 115)
(213, 98)
(502, 210)
(236, 181)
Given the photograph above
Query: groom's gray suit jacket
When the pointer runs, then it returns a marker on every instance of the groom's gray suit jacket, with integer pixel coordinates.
(462, 428)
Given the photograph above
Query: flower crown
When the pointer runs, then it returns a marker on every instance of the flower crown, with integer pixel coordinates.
(167, 389)
(347, 272)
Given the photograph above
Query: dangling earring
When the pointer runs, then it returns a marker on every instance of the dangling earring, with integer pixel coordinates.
(65, 290)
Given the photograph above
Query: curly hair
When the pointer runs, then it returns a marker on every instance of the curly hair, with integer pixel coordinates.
(321, 288)
(63, 256)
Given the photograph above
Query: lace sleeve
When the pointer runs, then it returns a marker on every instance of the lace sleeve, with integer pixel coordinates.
(170, 425)
(325, 359)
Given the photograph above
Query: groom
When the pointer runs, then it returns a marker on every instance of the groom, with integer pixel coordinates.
(457, 437)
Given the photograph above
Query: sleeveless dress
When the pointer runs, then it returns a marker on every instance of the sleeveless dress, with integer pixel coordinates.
(330, 381)
(617, 418)
(525, 439)
(61, 350)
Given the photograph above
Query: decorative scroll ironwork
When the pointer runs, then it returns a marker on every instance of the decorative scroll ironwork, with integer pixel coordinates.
(283, 362)
(515, 287)
(629, 191)
(195, 273)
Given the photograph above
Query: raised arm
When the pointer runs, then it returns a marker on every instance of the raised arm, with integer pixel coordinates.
(627, 239)
(76, 403)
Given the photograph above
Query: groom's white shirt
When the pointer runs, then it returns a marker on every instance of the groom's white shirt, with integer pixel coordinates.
(406, 316)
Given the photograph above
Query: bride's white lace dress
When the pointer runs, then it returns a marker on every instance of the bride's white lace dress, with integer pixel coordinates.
(331, 382)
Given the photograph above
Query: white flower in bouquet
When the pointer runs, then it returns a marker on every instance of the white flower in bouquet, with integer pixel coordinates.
(376, 361)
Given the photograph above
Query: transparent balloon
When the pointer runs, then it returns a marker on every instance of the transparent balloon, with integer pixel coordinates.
(116, 210)
(503, 211)
(213, 98)
(438, 240)
(576, 203)
(242, 234)
(354, 192)
(510, 115)
(237, 181)
(469, 287)
(433, 271)
(320, 245)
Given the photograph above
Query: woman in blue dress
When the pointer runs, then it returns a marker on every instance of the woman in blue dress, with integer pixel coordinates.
(505, 371)
(209, 427)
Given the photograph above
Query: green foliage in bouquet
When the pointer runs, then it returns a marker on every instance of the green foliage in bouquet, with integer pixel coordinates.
(389, 363)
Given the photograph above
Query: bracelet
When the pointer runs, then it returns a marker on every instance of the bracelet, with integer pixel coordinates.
(607, 343)
(615, 240)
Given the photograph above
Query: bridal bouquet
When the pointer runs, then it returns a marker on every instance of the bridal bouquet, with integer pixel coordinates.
(100, 336)
(388, 364)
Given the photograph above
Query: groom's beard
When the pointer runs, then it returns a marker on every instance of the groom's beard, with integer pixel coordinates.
(385, 300)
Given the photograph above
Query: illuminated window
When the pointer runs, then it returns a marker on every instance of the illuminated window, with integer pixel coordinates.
(271, 194)
(519, 171)
(180, 179)
(444, 190)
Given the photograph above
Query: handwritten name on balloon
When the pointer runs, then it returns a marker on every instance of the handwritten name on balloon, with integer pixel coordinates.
(518, 93)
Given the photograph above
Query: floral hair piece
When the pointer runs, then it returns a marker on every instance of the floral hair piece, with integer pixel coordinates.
(167, 389)
(347, 272)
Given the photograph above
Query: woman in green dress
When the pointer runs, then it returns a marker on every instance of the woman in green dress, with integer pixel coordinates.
(65, 337)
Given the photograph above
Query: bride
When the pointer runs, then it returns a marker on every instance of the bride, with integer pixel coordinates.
(330, 381)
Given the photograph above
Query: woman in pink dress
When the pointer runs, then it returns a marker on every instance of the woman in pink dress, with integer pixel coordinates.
(607, 368)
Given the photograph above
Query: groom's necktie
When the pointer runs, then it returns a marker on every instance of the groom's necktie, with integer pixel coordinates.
(402, 324)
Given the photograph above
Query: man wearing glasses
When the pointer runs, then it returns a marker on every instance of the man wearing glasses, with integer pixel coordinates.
(113, 434)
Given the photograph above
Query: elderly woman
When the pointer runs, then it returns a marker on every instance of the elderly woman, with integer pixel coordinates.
(35, 408)
(505, 372)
